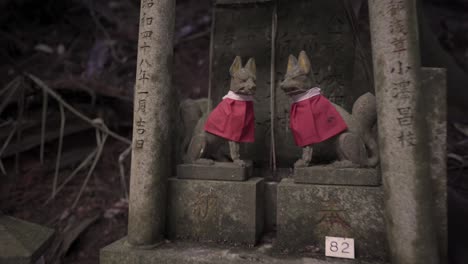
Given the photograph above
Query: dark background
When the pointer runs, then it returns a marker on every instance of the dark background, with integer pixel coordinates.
(85, 51)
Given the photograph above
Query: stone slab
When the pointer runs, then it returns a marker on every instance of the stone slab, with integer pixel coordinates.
(307, 213)
(221, 211)
(337, 176)
(196, 253)
(21, 241)
(270, 206)
(223, 171)
(434, 81)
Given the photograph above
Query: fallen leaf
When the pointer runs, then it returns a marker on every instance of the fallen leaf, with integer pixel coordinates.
(456, 157)
(60, 49)
(44, 48)
(118, 208)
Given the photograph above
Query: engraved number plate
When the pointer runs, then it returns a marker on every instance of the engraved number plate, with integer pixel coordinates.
(339, 247)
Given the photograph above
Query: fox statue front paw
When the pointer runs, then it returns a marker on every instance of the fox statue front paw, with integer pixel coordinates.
(300, 163)
(204, 161)
(240, 163)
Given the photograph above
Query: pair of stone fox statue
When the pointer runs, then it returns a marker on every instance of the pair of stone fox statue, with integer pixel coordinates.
(313, 119)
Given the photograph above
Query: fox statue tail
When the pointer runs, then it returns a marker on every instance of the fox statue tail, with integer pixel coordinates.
(190, 112)
(364, 115)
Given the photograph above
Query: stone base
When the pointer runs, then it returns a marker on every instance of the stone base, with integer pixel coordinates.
(191, 253)
(21, 241)
(307, 213)
(270, 206)
(221, 211)
(337, 176)
(224, 171)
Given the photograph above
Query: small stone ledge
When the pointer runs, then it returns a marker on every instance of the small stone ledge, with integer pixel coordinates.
(222, 171)
(195, 253)
(329, 175)
(307, 213)
(21, 241)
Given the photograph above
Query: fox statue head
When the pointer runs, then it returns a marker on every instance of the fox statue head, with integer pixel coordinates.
(243, 78)
(299, 76)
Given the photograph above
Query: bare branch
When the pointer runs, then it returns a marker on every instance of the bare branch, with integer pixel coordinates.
(57, 97)
(122, 158)
(59, 151)
(43, 124)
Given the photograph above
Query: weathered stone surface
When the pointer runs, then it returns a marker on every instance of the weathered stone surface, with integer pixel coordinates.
(337, 176)
(224, 171)
(404, 132)
(151, 151)
(21, 241)
(270, 205)
(307, 213)
(221, 211)
(434, 83)
(196, 253)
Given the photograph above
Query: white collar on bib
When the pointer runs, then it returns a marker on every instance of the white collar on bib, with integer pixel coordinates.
(306, 95)
(239, 97)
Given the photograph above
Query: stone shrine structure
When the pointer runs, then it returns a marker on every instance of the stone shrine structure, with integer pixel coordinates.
(395, 212)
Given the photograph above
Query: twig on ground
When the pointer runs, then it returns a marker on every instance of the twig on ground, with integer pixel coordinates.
(122, 158)
(59, 151)
(12, 87)
(82, 165)
(5, 145)
(7, 141)
(2, 168)
(101, 140)
(19, 122)
(43, 124)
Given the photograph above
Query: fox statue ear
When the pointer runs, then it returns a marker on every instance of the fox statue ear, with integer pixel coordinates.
(304, 62)
(236, 65)
(292, 63)
(250, 66)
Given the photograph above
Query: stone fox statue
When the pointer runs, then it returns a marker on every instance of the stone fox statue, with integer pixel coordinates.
(314, 119)
(232, 120)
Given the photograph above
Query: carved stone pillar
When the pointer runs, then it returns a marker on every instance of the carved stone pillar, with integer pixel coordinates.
(151, 139)
(403, 132)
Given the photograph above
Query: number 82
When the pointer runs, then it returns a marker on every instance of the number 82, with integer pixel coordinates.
(334, 247)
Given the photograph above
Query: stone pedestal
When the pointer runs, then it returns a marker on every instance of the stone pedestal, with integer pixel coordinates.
(224, 171)
(307, 213)
(196, 253)
(219, 211)
(337, 176)
(22, 242)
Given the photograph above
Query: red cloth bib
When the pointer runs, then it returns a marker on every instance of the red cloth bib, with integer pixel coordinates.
(233, 120)
(314, 120)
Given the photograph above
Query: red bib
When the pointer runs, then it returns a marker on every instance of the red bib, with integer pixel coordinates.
(233, 120)
(314, 120)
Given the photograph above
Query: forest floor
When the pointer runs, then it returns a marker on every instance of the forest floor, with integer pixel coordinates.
(86, 52)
